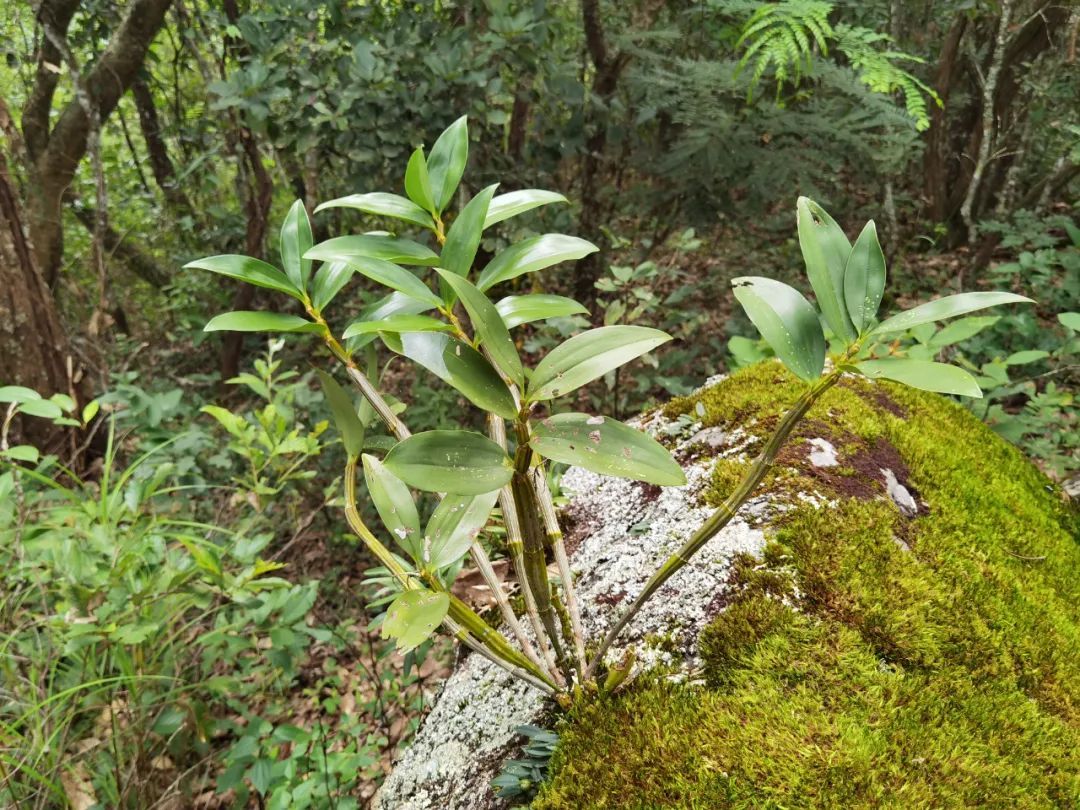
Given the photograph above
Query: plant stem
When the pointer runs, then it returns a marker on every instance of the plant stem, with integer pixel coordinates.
(723, 514)
(555, 538)
(462, 635)
(483, 565)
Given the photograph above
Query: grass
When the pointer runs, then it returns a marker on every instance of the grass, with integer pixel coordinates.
(932, 661)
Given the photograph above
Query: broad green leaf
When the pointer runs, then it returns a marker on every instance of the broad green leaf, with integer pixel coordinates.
(948, 307)
(825, 251)
(460, 462)
(397, 323)
(1029, 356)
(328, 282)
(66, 403)
(447, 162)
(42, 408)
(245, 268)
(395, 506)
(962, 330)
(294, 242)
(388, 248)
(394, 277)
(27, 453)
(90, 410)
(786, 320)
(605, 446)
(518, 202)
(454, 524)
(413, 616)
(382, 204)
(488, 325)
(394, 304)
(864, 278)
(924, 374)
(518, 309)
(247, 321)
(343, 409)
(532, 255)
(1070, 320)
(464, 235)
(17, 393)
(417, 181)
(590, 355)
(458, 364)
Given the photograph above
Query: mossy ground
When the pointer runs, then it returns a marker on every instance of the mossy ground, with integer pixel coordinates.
(940, 671)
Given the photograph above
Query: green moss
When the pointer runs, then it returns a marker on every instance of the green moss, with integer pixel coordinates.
(932, 662)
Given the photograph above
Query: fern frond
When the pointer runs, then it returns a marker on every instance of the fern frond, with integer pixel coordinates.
(782, 36)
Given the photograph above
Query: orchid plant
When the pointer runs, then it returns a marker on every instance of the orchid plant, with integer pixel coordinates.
(440, 313)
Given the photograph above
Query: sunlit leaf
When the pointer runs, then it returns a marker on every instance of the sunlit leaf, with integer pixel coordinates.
(518, 202)
(17, 393)
(388, 248)
(413, 616)
(246, 321)
(518, 309)
(463, 238)
(1024, 357)
(923, 374)
(397, 323)
(532, 255)
(605, 446)
(948, 307)
(962, 330)
(592, 354)
(446, 163)
(248, 269)
(786, 320)
(294, 242)
(24, 452)
(455, 461)
(418, 182)
(382, 204)
(328, 282)
(825, 251)
(394, 277)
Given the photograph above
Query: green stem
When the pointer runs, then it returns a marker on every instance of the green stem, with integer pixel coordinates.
(723, 514)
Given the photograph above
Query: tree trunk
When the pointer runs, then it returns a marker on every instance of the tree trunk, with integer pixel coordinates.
(160, 162)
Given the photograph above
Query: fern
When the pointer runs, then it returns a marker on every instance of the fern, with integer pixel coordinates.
(782, 36)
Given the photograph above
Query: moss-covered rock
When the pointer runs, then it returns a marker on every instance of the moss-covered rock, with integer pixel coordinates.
(914, 642)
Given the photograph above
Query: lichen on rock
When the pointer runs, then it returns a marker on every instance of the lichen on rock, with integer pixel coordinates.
(898, 625)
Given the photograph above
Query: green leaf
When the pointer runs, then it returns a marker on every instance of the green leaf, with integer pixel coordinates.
(247, 321)
(1029, 356)
(328, 282)
(251, 270)
(786, 320)
(488, 325)
(605, 446)
(382, 204)
(17, 393)
(27, 453)
(458, 364)
(518, 309)
(825, 251)
(1070, 320)
(864, 278)
(397, 323)
(41, 408)
(592, 354)
(447, 163)
(294, 242)
(923, 374)
(394, 277)
(948, 307)
(373, 246)
(532, 255)
(456, 461)
(395, 505)
(962, 330)
(417, 181)
(90, 410)
(454, 524)
(518, 202)
(343, 408)
(463, 238)
(413, 616)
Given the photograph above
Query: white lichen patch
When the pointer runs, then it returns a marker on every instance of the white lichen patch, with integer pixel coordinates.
(620, 533)
(823, 454)
(900, 494)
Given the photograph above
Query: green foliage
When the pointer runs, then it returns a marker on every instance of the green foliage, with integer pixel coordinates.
(520, 779)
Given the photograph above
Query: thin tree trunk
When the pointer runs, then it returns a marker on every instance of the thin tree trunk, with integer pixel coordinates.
(160, 162)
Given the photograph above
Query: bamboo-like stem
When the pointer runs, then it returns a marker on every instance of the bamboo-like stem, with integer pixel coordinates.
(723, 514)
(463, 636)
(515, 545)
(555, 538)
(483, 565)
(459, 612)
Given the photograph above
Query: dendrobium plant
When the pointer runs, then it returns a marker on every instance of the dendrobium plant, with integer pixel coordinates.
(440, 313)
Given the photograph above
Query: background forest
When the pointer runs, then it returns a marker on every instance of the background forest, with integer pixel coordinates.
(185, 622)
